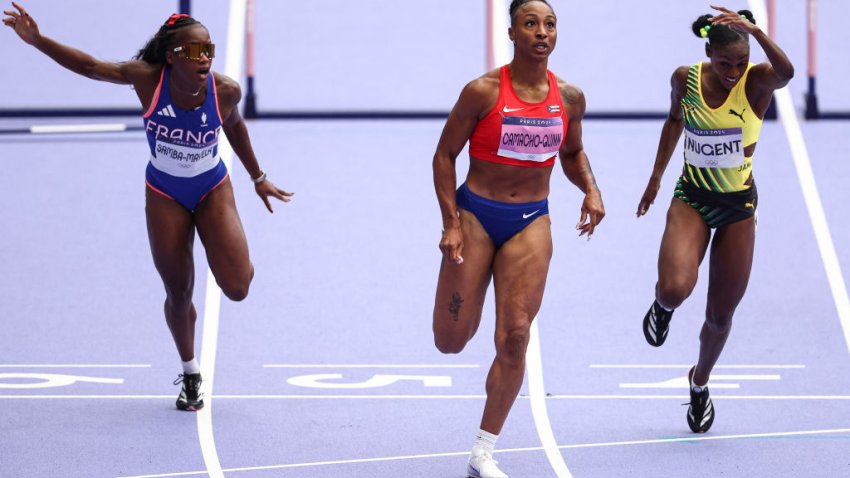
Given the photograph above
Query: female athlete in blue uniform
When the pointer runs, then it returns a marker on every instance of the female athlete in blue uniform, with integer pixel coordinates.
(187, 106)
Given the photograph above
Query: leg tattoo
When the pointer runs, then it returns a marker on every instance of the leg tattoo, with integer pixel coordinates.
(454, 306)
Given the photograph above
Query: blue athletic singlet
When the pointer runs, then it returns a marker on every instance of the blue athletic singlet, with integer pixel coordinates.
(184, 163)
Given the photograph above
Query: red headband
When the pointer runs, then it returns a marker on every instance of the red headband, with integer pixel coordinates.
(172, 20)
(174, 17)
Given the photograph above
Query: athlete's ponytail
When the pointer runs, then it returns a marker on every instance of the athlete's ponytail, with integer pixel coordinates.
(720, 34)
(155, 49)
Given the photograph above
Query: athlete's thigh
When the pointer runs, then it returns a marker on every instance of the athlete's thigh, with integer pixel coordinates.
(171, 232)
(519, 275)
(683, 245)
(730, 263)
(221, 232)
(461, 287)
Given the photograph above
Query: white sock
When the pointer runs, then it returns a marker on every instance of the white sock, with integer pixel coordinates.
(191, 367)
(696, 388)
(485, 441)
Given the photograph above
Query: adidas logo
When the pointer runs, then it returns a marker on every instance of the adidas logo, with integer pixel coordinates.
(167, 111)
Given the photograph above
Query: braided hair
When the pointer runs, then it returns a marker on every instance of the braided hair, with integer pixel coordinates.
(718, 35)
(155, 49)
(515, 4)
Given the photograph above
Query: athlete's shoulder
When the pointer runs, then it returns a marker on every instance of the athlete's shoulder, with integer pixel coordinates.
(480, 94)
(571, 94)
(228, 89)
(680, 75)
(484, 85)
(679, 79)
(681, 72)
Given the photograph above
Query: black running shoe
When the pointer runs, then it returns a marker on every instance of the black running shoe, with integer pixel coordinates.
(191, 399)
(656, 324)
(701, 410)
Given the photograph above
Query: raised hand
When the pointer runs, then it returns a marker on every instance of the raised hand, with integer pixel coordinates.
(22, 23)
(733, 20)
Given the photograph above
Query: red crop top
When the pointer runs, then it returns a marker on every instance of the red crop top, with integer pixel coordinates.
(520, 133)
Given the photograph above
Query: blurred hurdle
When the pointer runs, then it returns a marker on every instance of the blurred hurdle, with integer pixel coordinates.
(184, 6)
(812, 110)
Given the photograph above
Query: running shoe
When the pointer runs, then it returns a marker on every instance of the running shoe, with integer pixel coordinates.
(701, 410)
(191, 399)
(656, 324)
(482, 465)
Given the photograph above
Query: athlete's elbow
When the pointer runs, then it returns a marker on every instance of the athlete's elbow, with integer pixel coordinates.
(789, 73)
(89, 70)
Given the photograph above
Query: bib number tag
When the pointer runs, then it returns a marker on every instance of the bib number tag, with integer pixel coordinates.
(714, 148)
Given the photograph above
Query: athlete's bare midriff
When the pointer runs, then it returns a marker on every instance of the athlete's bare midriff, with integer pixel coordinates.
(507, 183)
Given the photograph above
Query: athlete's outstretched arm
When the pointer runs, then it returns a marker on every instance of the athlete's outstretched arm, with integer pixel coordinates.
(229, 94)
(575, 163)
(457, 131)
(75, 60)
(670, 134)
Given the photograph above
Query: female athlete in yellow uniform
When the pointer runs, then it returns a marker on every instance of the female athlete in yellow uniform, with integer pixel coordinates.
(720, 105)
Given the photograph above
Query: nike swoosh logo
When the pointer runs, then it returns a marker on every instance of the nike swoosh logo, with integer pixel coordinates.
(526, 216)
(510, 110)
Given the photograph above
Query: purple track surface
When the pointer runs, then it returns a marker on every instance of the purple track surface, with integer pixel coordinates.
(346, 274)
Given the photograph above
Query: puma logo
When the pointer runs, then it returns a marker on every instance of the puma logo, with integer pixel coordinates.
(739, 115)
(749, 205)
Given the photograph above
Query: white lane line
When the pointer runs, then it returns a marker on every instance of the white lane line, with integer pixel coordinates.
(788, 116)
(714, 396)
(537, 397)
(695, 438)
(688, 439)
(212, 305)
(78, 128)
(306, 365)
(86, 365)
(86, 397)
(209, 347)
(688, 366)
(422, 397)
(816, 213)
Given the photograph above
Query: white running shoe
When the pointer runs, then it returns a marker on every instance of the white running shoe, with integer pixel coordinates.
(482, 465)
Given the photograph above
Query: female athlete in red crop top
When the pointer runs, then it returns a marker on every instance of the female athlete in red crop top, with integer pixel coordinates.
(518, 132)
(496, 225)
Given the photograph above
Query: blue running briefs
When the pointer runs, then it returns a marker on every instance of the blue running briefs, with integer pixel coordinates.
(502, 221)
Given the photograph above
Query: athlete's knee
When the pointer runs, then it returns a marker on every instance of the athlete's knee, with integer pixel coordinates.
(719, 322)
(511, 347)
(236, 288)
(178, 297)
(449, 346)
(672, 293)
(236, 292)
